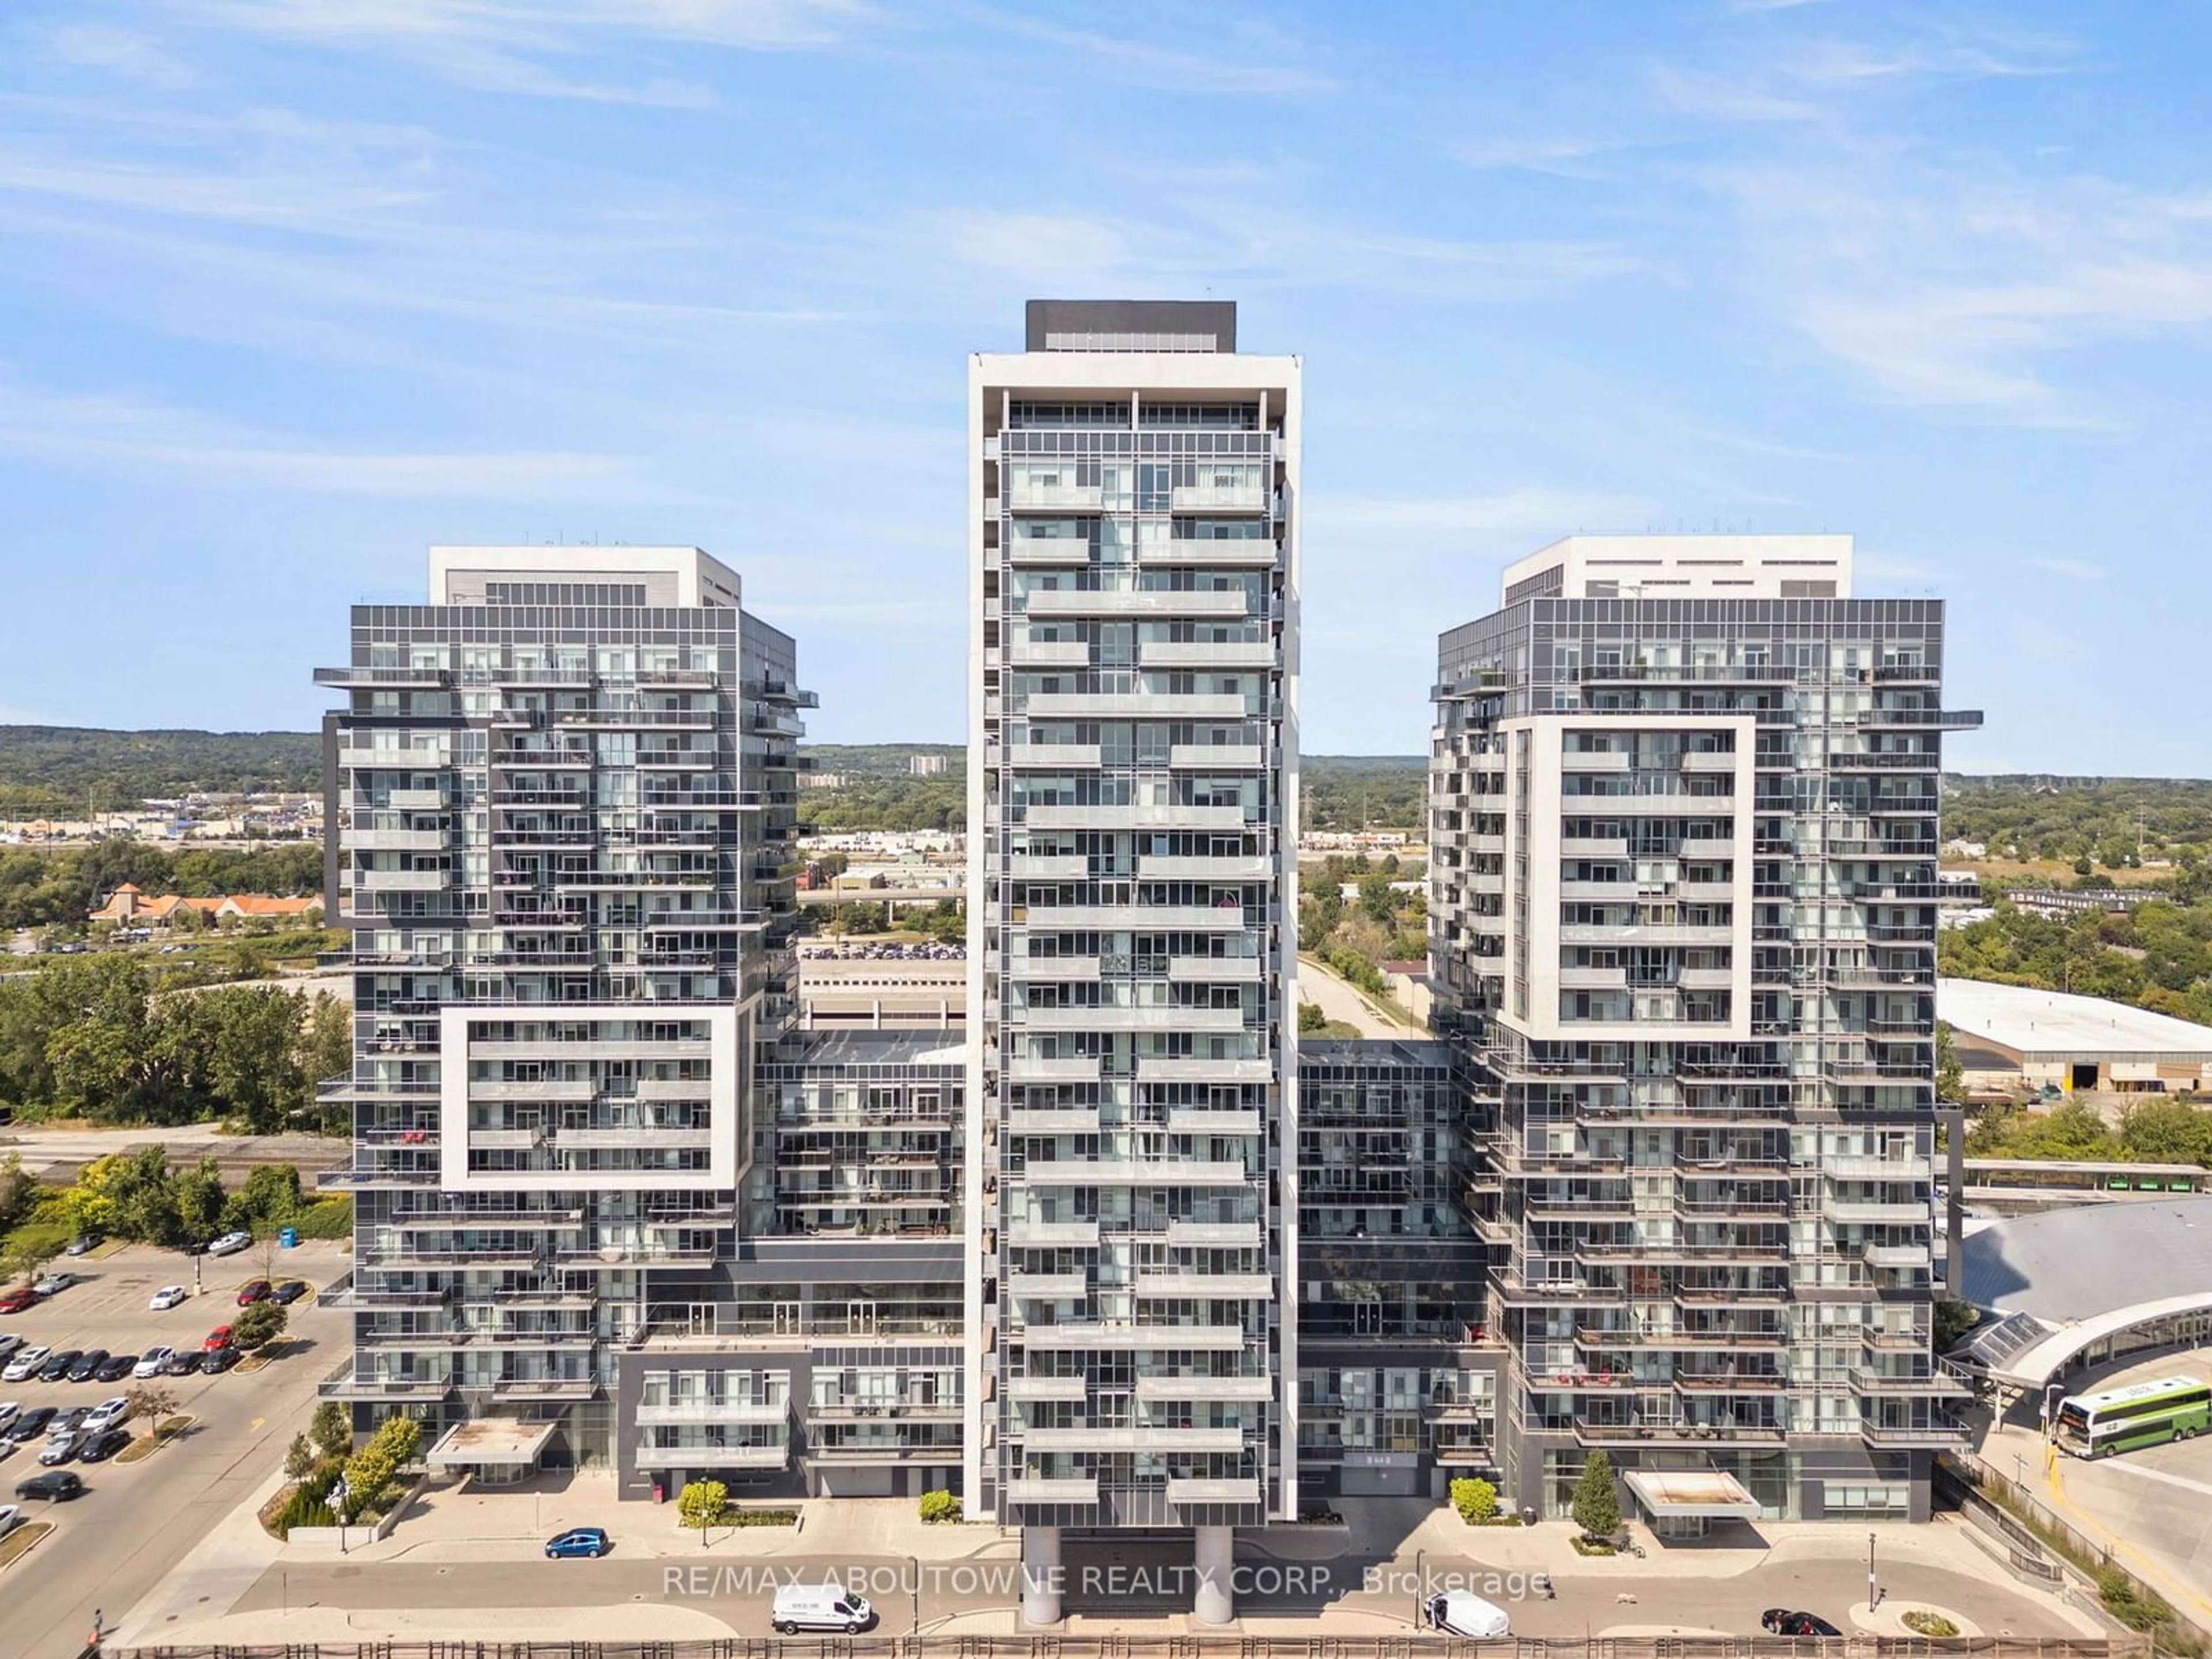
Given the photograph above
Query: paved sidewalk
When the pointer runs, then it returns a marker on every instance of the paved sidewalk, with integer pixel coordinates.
(219, 1569)
(458, 1520)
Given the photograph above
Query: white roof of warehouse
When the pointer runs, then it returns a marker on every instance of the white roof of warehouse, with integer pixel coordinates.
(2052, 1025)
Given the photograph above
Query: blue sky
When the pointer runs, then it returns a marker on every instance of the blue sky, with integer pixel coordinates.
(293, 288)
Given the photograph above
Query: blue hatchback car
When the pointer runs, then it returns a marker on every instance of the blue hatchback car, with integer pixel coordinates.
(590, 1542)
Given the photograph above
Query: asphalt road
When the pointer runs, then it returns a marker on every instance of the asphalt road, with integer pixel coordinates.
(1133, 1580)
(136, 1521)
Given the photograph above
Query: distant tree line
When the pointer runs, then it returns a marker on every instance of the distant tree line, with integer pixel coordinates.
(105, 1037)
(56, 771)
(40, 886)
(2104, 820)
(2157, 1129)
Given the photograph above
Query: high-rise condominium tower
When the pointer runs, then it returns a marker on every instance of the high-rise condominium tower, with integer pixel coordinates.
(1132, 790)
(559, 796)
(1684, 804)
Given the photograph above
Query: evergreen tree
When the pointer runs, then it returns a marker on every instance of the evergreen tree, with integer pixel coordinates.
(1596, 1504)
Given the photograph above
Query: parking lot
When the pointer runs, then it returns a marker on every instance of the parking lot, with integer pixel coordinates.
(134, 1521)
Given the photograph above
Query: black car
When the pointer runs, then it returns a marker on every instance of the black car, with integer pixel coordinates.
(219, 1360)
(57, 1485)
(30, 1425)
(116, 1368)
(186, 1362)
(87, 1363)
(288, 1292)
(103, 1446)
(1782, 1621)
(58, 1368)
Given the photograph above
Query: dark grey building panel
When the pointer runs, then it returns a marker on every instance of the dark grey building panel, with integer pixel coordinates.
(1054, 320)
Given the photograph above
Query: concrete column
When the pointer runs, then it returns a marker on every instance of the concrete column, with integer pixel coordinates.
(1041, 1574)
(1215, 1602)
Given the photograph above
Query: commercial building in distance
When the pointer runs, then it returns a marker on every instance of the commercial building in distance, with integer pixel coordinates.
(1683, 823)
(1133, 812)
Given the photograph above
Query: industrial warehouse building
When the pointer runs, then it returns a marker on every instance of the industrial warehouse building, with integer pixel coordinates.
(2011, 1037)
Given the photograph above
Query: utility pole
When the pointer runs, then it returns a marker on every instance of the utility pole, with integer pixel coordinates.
(1873, 1595)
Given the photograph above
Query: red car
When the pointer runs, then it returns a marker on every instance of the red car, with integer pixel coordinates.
(253, 1290)
(17, 1302)
(217, 1338)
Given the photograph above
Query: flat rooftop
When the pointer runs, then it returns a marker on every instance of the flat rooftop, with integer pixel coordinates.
(2046, 1025)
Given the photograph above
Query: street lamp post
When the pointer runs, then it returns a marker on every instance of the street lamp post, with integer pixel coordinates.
(1420, 1589)
(1873, 1595)
(914, 1587)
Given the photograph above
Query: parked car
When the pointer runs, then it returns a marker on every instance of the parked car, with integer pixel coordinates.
(70, 1420)
(168, 1297)
(54, 1283)
(30, 1425)
(253, 1290)
(20, 1300)
(1782, 1621)
(55, 1486)
(60, 1449)
(289, 1291)
(215, 1364)
(10, 1518)
(154, 1362)
(8, 1343)
(590, 1542)
(104, 1445)
(106, 1414)
(8, 1408)
(819, 1607)
(229, 1243)
(116, 1368)
(82, 1244)
(59, 1365)
(217, 1338)
(87, 1363)
(184, 1363)
(27, 1364)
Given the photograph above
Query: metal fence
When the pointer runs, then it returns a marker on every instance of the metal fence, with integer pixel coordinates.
(1223, 1646)
(2003, 1503)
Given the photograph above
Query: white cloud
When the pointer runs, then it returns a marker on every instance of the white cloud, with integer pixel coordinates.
(115, 432)
(1705, 95)
(504, 45)
(1962, 286)
(2046, 644)
(1881, 568)
(1164, 68)
(1525, 511)
(123, 52)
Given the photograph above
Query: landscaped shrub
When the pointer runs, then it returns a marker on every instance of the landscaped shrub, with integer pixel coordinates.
(939, 1506)
(1476, 1500)
(701, 1503)
(2135, 1609)
(1921, 1622)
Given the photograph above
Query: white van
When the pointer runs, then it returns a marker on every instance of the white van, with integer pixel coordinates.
(1463, 1613)
(820, 1607)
